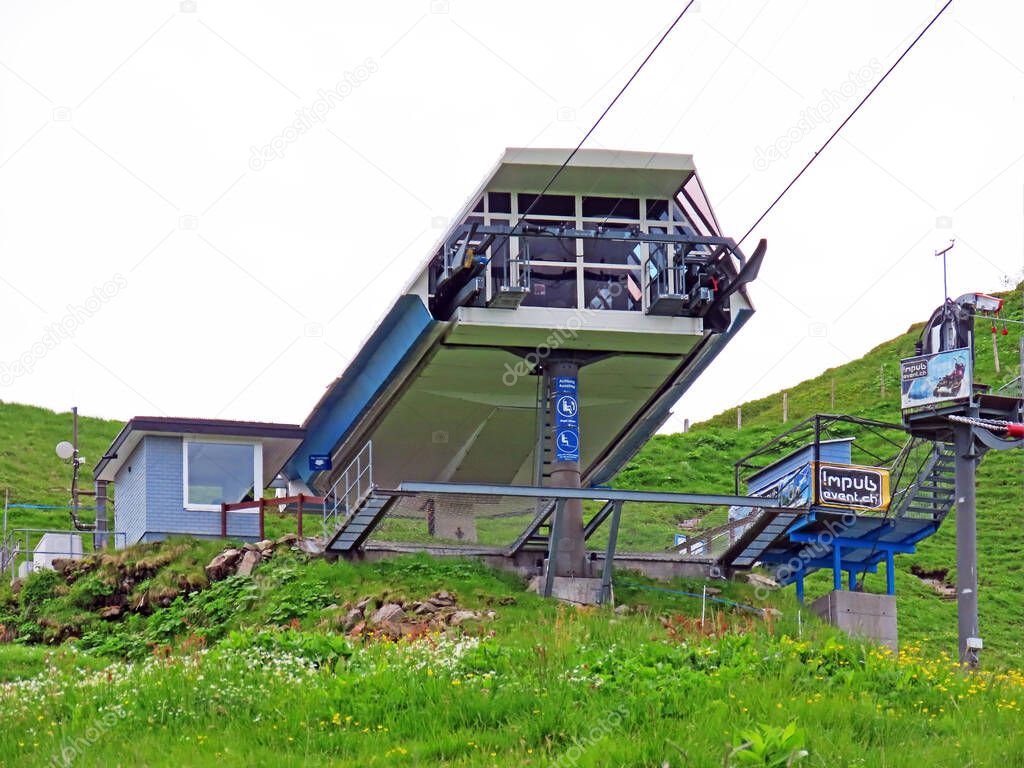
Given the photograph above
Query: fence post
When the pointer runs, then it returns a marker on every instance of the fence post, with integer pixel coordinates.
(995, 349)
(301, 497)
(785, 407)
(881, 379)
(223, 521)
(739, 417)
(263, 504)
(833, 409)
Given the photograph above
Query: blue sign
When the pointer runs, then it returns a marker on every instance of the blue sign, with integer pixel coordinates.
(319, 462)
(567, 425)
(567, 445)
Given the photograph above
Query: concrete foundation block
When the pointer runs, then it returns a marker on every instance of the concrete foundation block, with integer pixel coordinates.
(861, 614)
(581, 591)
(455, 527)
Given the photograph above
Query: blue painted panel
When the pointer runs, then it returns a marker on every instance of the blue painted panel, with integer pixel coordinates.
(366, 376)
(130, 496)
(834, 452)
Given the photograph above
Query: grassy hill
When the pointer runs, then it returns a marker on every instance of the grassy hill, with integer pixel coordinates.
(271, 669)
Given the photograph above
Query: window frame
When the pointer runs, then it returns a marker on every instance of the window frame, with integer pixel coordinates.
(257, 475)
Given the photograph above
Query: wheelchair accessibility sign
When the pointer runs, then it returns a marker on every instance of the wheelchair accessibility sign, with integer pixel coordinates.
(567, 425)
(567, 445)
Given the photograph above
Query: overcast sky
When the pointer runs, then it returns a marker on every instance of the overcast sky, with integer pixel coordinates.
(165, 247)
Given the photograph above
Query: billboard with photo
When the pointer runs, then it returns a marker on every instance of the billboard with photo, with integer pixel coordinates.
(938, 378)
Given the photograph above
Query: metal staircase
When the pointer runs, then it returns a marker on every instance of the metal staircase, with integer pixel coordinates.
(929, 496)
(354, 506)
(356, 527)
(933, 492)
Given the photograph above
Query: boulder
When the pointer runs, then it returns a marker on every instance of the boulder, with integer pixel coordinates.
(460, 617)
(390, 612)
(622, 609)
(361, 605)
(111, 612)
(352, 618)
(288, 538)
(310, 547)
(222, 564)
(249, 561)
(249, 547)
(762, 581)
(421, 609)
(442, 598)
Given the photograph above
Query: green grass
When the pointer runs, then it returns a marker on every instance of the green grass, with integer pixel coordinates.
(250, 672)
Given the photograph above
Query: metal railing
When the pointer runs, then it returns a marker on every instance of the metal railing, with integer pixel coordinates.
(715, 542)
(350, 490)
(19, 544)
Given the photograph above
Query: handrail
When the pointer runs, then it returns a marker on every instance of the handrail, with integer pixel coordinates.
(12, 548)
(355, 483)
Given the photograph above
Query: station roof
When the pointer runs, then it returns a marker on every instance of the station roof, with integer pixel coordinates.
(279, 440)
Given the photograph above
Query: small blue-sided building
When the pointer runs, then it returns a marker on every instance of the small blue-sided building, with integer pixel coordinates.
(172, 474)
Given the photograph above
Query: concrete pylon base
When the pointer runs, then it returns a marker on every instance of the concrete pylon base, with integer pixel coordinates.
(455, 527)
(861, 614)
(571, 589)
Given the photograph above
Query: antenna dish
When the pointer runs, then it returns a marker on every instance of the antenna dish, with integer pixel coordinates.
(65, 450)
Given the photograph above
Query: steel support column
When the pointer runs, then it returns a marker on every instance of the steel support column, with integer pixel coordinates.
(570, 545)
(966, 544)
(609, 553)
(549, 572)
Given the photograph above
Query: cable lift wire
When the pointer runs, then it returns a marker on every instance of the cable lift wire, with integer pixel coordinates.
(842, 125)
(622, 90)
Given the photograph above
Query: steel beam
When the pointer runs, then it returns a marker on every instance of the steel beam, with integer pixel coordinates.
(599, 494)
(966, 544)
(609, 554)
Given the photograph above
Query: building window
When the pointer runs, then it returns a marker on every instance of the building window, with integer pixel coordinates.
(221, 473)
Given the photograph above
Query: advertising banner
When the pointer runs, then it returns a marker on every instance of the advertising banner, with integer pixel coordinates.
(938, 378)
(850, 486)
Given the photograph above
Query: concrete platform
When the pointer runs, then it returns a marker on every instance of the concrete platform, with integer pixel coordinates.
(861, 614)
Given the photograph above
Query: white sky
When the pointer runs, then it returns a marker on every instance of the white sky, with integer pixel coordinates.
(126, 132)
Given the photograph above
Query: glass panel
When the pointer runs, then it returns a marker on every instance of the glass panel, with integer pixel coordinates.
(499, 202)
(695, 192)
(479, 207)
(612, 289)
(657, 210)
(220, 473)
(498, 253)
(611, 252)
(548, 205)
(611, 208)
(552, 287)
(543, 248)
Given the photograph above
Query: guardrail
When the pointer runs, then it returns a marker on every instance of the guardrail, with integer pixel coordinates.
(283, 503)
(19, 544)
(351, 488)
